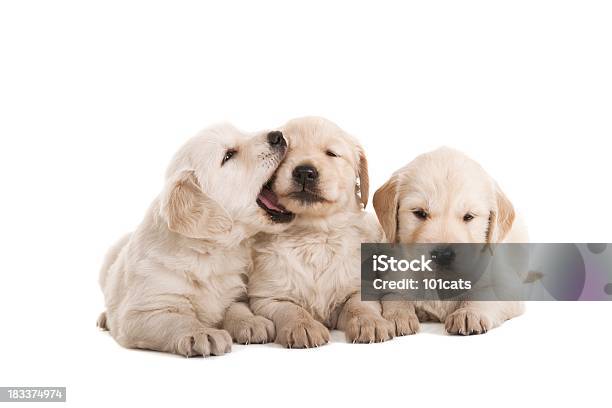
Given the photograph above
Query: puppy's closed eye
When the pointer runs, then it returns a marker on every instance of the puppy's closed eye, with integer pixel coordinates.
(331, 153)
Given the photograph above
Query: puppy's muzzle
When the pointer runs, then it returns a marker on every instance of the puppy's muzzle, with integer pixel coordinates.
(443, 255)
(306, 182)
(277, 140)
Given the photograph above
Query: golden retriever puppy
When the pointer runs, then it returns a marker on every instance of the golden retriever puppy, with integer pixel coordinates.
(176, 283)
(306, 279)
(445, 197)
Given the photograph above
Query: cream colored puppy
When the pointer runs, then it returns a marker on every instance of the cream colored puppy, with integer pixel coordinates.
(307, 278)
(445, 197)
(175, 284)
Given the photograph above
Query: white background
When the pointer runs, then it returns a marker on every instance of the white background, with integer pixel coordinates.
(96, 97)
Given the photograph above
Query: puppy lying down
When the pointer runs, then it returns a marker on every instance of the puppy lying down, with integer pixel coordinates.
(445, 197)
(306, 278)
(176, 283)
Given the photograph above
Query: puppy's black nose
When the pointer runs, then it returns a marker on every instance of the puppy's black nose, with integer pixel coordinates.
(305, 174)
(276, 139)
(443, 255)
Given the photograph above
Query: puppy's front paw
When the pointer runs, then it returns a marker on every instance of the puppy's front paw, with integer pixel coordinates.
(255, 329)
(303, 334)
(405, 322)
(468, 321)
(368, 329)
(205, 342)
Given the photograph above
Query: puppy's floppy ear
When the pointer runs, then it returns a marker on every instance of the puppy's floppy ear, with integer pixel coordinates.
(364, 178)
(189, 211)
(501, 218)
(385, 204)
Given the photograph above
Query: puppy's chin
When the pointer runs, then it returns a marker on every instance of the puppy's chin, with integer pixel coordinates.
(306, 204)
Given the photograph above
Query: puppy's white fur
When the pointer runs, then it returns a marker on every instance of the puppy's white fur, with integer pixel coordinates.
(447, 185)
(175, 283)
(306, 279)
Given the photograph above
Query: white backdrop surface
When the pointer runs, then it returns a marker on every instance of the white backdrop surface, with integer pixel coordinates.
(96, 96)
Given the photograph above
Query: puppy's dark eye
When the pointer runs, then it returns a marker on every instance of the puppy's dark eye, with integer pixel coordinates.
(331, 154)
(468, 217)
(420, 213)
(228, 155)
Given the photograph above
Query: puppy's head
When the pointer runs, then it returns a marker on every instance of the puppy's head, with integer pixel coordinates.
(443, 196)
(325, 170)
(215, 182)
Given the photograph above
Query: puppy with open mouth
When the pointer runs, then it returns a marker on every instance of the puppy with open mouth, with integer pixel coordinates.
(306, 278)
(178, 282)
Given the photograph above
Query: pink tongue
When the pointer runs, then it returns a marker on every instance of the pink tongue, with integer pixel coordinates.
(269, 199)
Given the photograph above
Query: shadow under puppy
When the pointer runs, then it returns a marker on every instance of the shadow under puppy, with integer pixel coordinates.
(176, 283)
(445, 197)
(306, 279)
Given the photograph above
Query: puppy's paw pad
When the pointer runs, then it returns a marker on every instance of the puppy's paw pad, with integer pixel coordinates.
(256, 330)
(466, 322)
(205, 342)
(405, 322)
(303, 334)
(369, 329)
